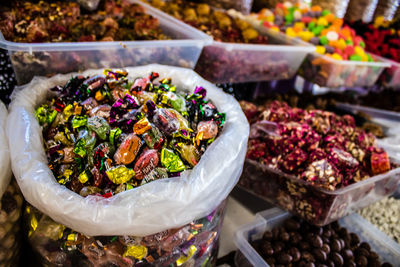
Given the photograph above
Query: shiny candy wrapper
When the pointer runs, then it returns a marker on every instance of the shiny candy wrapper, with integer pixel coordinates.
(120, 174)
(194, 243)
(99, 125)
(128, 150)
(171, 161)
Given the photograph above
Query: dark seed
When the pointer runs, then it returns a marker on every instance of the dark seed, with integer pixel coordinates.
(326, 248)
(285, 258)
(295, 253)
(317, 241)
(319, 254)
(347, 255)
(307, 256)
(336, 245)
(361, 260)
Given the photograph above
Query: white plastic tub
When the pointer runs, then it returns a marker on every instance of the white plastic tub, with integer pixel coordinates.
(386, 248)
(47, 59)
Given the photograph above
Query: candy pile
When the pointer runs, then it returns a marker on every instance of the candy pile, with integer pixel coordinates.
(317, 146)
(297, 243)
(195, 244)
(106, 134)
(319, 27)
(385, 215)
(40, 22)
(218, 24)
(381, 37)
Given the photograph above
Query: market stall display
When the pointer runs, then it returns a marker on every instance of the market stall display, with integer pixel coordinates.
(274, 238)
(239, 52)
(144, 210)
(339, 58)
(314, 163)
(46, 39)
(10, 203)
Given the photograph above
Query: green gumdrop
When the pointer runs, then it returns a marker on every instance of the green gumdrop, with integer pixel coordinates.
(349, 42)
(362, 44)
(324, 40)
(370, 59)
(311, 26)
(289, 18)
(325, 12)
(355, 58)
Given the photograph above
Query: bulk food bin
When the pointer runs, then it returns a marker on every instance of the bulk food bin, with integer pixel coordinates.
(328, 72)
(386, 248)
(149, 213)
(222, 62)
(47, 59)
(10, 202)
(390, 77)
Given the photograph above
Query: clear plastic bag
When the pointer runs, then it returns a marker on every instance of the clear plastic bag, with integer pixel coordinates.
(145, 210)
(194, 244)
(360, 10)
(10, 202)
(386, 8)
(337, 7)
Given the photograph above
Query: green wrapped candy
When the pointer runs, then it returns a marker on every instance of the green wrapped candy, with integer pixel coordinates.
(79, 121)
(45, 115)
(155, 174)
(171, 161)
(120, 174)
(175, 101)
(114, 134)
(85, 143)
(99, 125)
(153, 137)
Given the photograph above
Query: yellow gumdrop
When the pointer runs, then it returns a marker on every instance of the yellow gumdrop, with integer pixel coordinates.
(320, 49)
(359, 50)
(337, 56)
(341, 44)
(322, 21)
(290, 32)
(364, 57)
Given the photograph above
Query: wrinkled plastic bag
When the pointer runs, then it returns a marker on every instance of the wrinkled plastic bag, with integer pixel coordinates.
(5, 167)
(11, 201)
(148, 209)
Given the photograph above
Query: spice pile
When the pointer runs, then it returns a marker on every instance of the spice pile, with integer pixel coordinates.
(298, 243)
(40, 22)
(317, 146)
(106, 134)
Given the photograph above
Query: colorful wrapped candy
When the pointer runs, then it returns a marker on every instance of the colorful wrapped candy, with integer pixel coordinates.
(194, 243)
(119, 139)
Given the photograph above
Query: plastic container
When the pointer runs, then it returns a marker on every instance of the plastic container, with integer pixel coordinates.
(236, 63)
(386, 248)
(47, 59)
(390, 77)
(316, 205)
(328, 72)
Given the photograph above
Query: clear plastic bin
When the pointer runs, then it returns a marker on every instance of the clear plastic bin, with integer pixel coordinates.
(329, 72)
(390, 77)
(222, 62)
(47, 59)
(386, 248)
(316, 205)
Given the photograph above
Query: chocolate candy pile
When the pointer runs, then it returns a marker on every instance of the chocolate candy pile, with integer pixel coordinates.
(218, 24)
(106, 134)
(319, 27)
(319, 147)
(385, 215)
(40, 22)
(194, 244)
(297, 243)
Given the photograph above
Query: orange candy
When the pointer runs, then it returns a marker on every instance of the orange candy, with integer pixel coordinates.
(128, 149)
(316, 9)
(330, 17)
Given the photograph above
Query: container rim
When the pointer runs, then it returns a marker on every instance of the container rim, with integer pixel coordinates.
(262, 47)
(195, 38)
(340, 191)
